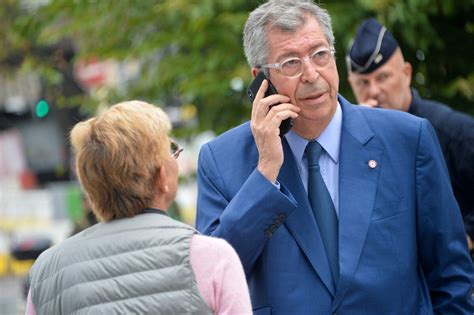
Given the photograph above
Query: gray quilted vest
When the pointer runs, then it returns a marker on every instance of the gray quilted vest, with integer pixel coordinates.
(138, 265)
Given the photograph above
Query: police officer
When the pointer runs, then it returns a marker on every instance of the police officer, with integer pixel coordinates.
(380, 77)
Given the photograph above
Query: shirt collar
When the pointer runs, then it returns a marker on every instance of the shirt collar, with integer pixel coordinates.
(154, 210)
(329, 139)
(415, 99)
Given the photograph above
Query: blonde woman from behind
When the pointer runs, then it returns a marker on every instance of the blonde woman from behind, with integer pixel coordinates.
(137, 260)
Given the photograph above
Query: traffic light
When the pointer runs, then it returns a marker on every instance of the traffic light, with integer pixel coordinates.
(42, 108)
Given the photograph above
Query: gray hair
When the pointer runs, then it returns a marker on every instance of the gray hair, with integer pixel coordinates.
(285, 15)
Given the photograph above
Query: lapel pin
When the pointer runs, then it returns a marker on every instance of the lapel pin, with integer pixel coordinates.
(372, 163)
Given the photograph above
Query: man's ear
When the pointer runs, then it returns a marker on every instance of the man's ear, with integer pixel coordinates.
(350, 78)
(255, 72)
(408, 72)
(160, 182)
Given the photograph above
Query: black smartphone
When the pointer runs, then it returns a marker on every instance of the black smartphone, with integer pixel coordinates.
(252, 90)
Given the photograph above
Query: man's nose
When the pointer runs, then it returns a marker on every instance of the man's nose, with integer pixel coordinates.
(310, 73)
(374, 90)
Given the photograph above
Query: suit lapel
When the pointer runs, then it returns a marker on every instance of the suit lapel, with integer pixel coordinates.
(301, 223)
(357, 189)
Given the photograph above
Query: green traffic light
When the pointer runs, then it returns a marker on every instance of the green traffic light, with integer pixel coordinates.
(42, 109)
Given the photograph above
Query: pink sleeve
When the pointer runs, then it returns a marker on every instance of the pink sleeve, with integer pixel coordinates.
(30, 308)
(219, 275)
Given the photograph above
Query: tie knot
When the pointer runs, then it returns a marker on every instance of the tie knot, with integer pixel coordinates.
(313, 152)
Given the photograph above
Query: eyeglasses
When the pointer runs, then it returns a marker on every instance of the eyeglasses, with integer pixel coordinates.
(175, 149)
(293, 67)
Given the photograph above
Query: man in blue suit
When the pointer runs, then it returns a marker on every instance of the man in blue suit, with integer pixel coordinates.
(389, 238)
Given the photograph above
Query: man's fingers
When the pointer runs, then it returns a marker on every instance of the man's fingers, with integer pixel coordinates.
(282, 108)
(261, 91)
(258, 97)
(262, 107)
(371, 103)
(277, 114)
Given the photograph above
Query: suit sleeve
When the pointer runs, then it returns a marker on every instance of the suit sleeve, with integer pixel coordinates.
(248, 218)
(442, 245)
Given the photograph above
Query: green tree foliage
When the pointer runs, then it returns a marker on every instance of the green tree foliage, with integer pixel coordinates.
(191, 51)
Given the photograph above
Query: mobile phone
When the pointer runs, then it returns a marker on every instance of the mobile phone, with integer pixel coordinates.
(252, 90)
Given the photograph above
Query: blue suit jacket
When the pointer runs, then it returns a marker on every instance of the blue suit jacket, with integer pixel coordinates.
(402, 249)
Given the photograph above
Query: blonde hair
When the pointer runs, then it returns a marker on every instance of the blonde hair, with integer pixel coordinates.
(118, 157)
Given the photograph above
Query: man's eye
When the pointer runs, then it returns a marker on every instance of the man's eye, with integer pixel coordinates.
(382, 77)
(320, 54)
(291, 63)
(362, 83)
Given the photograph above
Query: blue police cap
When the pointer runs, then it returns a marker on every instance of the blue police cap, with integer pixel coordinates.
(371, 48)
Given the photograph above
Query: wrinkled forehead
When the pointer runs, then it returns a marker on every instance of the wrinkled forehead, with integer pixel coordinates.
(309, 36)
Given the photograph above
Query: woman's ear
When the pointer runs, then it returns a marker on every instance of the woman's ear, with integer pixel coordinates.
(160, 182)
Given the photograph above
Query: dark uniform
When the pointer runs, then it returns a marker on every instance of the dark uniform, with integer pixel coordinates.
(372, 46)
(455, 132)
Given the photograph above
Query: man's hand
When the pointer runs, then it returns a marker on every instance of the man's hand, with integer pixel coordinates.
(371, 103)
(265, 124)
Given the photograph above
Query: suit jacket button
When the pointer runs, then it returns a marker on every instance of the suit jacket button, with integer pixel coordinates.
(273, 228)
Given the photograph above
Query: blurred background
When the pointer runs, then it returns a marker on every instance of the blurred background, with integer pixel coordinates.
(62, 61)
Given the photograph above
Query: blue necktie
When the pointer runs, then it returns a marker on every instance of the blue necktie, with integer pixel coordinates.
(323, 208)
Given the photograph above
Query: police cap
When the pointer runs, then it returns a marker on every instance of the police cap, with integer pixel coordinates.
(371, 48)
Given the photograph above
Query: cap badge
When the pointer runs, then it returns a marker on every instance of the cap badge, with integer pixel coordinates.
(378, 58)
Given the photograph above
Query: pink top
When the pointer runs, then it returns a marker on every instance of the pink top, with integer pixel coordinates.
(219, 275)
